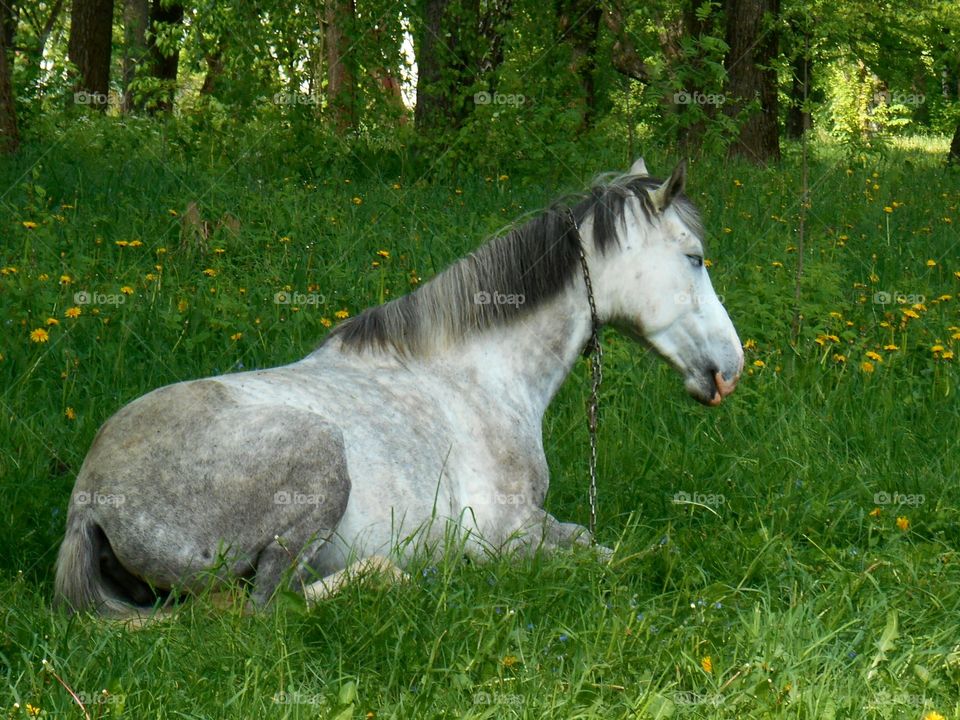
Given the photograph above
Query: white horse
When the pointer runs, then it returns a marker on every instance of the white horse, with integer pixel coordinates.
(426, 408)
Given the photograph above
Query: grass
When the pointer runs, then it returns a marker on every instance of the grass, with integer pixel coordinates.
(815, 574)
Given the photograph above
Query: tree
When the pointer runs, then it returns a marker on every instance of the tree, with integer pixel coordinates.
(89, 48)
(753, 40)
(136, 15)
(341, 79)
(578, 24)
(166, 19)
(954, 155)
(9, 131)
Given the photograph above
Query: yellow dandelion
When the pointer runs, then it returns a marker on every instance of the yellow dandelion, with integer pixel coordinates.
(874, 356)
(759, 363)
(29, 224)
(149, 277)
(750, 344)
(836, 315)
(375, 263)
(73, 313)
(947, 355)
(503, 177)
(706, 663)
(777, 264)
(875, 513)
(70, 413)
(39, 335)
(931, 263)
(956, 274)
(821, 340)
(161, 250)
(325, 322)
(173, 212)
(121, 243)
(182, 306)
(956, 336)
(936, 349)
(210, 272)
(236, 336)
(884, 324)
(43, 277)
(32, 710)
(8, 270)
(838, 358)
(867, 366)
(458, 191)
(285, 239)
(509, 661)
(876, 187)
(886, 208)
(708, 262)
(341, 314)
(396, 186)
(933, 715)
(903, 523)
(728, 230)
(833, 338)
(358, 201)
(136, 243)
(910, 314)
(126, 290)
(383, 253)
(51, 321)
(65, 279)
(737, 183)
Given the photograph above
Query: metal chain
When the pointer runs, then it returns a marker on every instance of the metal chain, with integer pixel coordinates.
(594, 351)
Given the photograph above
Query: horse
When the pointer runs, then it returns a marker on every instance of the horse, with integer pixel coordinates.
(426, 408)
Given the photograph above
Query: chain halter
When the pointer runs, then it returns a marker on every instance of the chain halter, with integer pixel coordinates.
(594, 351)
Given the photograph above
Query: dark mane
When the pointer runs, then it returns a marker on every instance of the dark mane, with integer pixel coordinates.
(534, 261)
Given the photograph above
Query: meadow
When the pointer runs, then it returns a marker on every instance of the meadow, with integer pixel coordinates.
(792, 553)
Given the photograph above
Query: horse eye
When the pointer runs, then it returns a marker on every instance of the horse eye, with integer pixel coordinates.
(697, 260)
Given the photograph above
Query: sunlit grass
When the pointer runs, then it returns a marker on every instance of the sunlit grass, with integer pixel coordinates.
(792, 553)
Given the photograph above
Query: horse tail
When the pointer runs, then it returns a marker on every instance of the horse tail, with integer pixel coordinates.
(80, 584)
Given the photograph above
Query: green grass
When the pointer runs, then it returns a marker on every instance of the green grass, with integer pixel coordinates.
(807, 605)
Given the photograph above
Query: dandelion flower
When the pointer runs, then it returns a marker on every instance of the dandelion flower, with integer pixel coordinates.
(936, 349)
(65, 279)
(875, 513)
(358, 201)
(341, 314)
(509, 661)
(948, 355)
(121, 243)
(73, 313)
(325, 322)
(210, 272)
(933, 715)
(910, 314)
(383, 253)
(218, 251)
(503, 177)
(838, 358)
(887, 209)
(39, 335)
(759, 363)
(931, 263)
(126, 290)
(867, 366)
(707, 663)
(903, 523)
(51, 321)
(750, 344)
(136, 243)
(29, 224)
(874, 356)
(70, 413)
(236, 336)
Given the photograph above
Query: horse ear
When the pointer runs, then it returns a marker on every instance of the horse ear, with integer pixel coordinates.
(639, 167)
(664, 195)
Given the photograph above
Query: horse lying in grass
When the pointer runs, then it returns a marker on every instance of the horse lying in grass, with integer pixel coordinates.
(428, 407)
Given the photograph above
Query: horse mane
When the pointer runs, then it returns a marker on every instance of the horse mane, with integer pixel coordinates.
(535, 261)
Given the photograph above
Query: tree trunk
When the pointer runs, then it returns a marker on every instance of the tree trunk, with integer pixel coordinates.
(89, 47)
(578, 24)
(623, 53)
(954, 155)
(434, 109)
(164, 66)
(9, 132)
(754, 43)
(341, 83)
(799, 119)
(214, 62)
(136, 14)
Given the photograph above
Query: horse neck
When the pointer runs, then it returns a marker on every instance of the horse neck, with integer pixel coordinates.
(524, 362)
